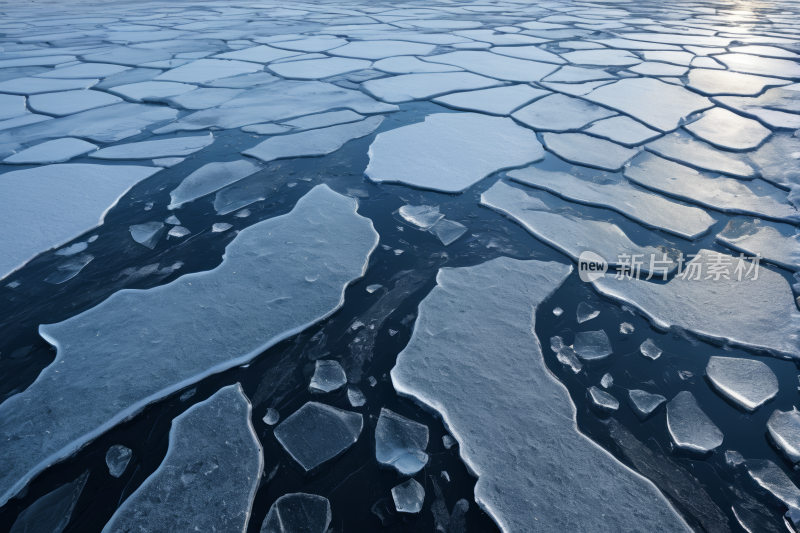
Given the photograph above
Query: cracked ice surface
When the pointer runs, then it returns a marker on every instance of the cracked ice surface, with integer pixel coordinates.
(456, 341)
(209, 476)
(281, 246)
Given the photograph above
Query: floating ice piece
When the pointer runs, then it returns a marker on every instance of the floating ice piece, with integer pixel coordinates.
(271, 417)
(592, 345)
(44, 61)
(316, 433)
(219, 227)
(643, 403)
(491, 36)
(765, 51)
(266, 129)
(784, 428)
(323, 120)
(30, 86)
(627, 44)
(205, 70)
(73, 249)
(178, 232)
(729, 131)
(554, 222)
(328, 377)
(22, 121)
(322, 229)
(457, 342)
(202, 98)
(560, 113)
(602, 400)
(411, 65)
(172, 219)
(607, 58)
(769, 477)
(244, 81)
(408, 87)
(258, 54)
(776, 107)
(83, 71)
(254, 188)
(448, 231)
(210, 178)
(581, 149)
(612, 191)
(400, 443)
(314, 69)
(558, 311)
(319, 43)
(689, 426)
(168, 162)
(127, 56)
(626, 328)
(298, 513)
(778, 68)
(448, 441)
(56, 151)
(495, 66)
(422, 216)
(52, 512)
(746, 382)
(179, 146)
(136, 75)
(382, 49)
(373, 288)
(683, 148)
(117, 459)
(772, 162)
(658, 69)
(659, 105)
(533, 53)
(586, 312)
(209, 476)
(755, 197)
(53, 201)
(497, 101)
(450, 152)
(777, 243)
(12, 106)
(408, 497)
(607, 380)
(565, 354)
(153, 91)
(70, 102)
(355, 396)
(147, 234)
(669, 38)
(313, 143)
(570, 74)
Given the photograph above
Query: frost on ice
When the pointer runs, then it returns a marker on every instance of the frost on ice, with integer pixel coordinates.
(746, 382)
(209, 476)
(400, 443)
(240, 316)
(689, 427)
(476, 327)
(298, 513)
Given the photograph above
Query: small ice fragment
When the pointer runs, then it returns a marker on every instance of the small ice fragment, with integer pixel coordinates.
(357, 324)
(422, 216)
(602, 400)
(784, 428)
(392, 332)
(445, 476)
(312, 279)
(72, 250)
(565, 354)
(746, 382)
(13, 285)
(448, 231)
(408, 497)
(272, 417)
(626, 328)
(147, 234)
(372, 381)
(592, 345)
(733, 458)
(69, 269)
(172, 219)
(178, 231)
(298, 513)
(328, 376)
(244, 213)
(373, 288)
(586, 312)
(188, 394)
(643, 403)
(649, 349)
(689, 426)
(168, 162)
(448, 441)
(772, 479)
(557, 311)
(607, 380)
(148, 206)
(117, 459)
(355, 396)
(219, 227)
(400, 443)
(398, 252)
(51, 513)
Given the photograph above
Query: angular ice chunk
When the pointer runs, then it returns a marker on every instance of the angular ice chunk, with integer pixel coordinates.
(316, 433)
(586, 312)
(266, 129)
(202, 98)
(172, 219)
(323, 120)
(147, 234)
(83, 71)
(565, 354)
(209, 477)
(448, 231)
(373, 288)
(257, 54)
(606, 58)
(117, 459)
(382, 49)
(328, 376)
(784, 428)
(408, 87)
(126, 78)
(448, 441)
(355, 396)
(769, 477)
(777, 243)
(205, 70)
(571, 74)
(400, 443)
(560, 113)
(622, 130)
(70, 102)
(69, 269)
(626, 328)
(450, 152)
(244, 81)
(51, 513)
(168, 162)
(30, 86)
(319, 43)
(746, 382)
(315, 69)
(271, 417)
(592, 345)
(151, 91)
(220, 227)
(466, 340)
(723, 82)
(653, 68)
(422, 216)
(178, 231)
(410, 65)
(126, 56)
(500, 101)
(729, 131)
(779, 68)
(314, 143)
(56, 151)
(179, 146)
(643, 403)
(495, 66)
(210, 178)
(254, 188)
(408, 497)
(602, 400)
(607, 380)
(685, 149)
(534, 53)
(298, 513)
(689, 427)
(582, 149)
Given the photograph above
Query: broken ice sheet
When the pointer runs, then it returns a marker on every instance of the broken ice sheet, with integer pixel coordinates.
(450, 152)
(323, 120)
(770, 478)
(421, 216)
(448, 231)
(178, 231)
(777, 243)
(586, 312)
(205, 70)
(565, 354)
(592, 345)
(219, 227)
(56, 151)
(411, 65)
(52, 512)
(784, 430)
(323, 228)
(500, 101)
(179, 146)
(582, 149)
(328, 376)
(622, 130)
(298, 513)
(687, 150)
(70, 102)
(208, 479)
(254, 188)
(469, 330)
(729, 131)
(643, 403)
(495, 66)
(209, 178)
(689, 427)
(560, 113)
(746, 382)
(271, 417)
(147, 234)
(602, 400)
(718, 83)
(316, 433)
(117, 459)
(400, 443)
(314, 69)
(408, 497)
(409, 87)
(314, 143)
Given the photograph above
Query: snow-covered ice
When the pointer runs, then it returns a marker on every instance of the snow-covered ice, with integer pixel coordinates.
(400, 443)
(689, 427)
(746, 382)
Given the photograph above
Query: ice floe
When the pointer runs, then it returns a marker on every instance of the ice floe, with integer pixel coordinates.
(689, 427)
(316, 433)
(784, 429)
(209, 477)
(650, 350)
(592, 345)
(70, 102)
(622, 130)
(323, 120)
(770, 478)
(777, 107)
(500, 101)
(586, 312)
(298, 513)
(151, 91)
(565, 354)
(408, 497)
(271, 417)
(55, 151)
(147, 234)
(581, 149)
(258, 54)
(209, 178)
(605, 58)
(400, 443)
(560, 113)
(450, 152)
(314, 69)
(254, 188)
(746, 382)
(777, 243)
(83, 71)
(684, 148)
(411, 65)
(495, 66)
(30, 86)
(570, 74)
(322, 236)
(69, 269)
(205, 70)
(533, 53)
(457, 342)
(328, 376)
(778, 68)
(179, 146)
(117, 459)
(408, 87)
(202, 98)
(643, 404)
(729, 131)
(421, 216)
(602, 400)
(355, 396)
(448, 231)
(382, 49)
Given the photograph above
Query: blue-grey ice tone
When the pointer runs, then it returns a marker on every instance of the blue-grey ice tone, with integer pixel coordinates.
(500, 101)
(747, 383)
(328, 376)
(771, 479)
(209, 178)
(643, 403)
(408, 497)
(52, 512)
(601, 400)
(777, 243)
(179, 146)
(298, 513)
(592, 345)
(117, 459)
(55, 151)
(400, 443)
(689, 427)
(409, 87)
